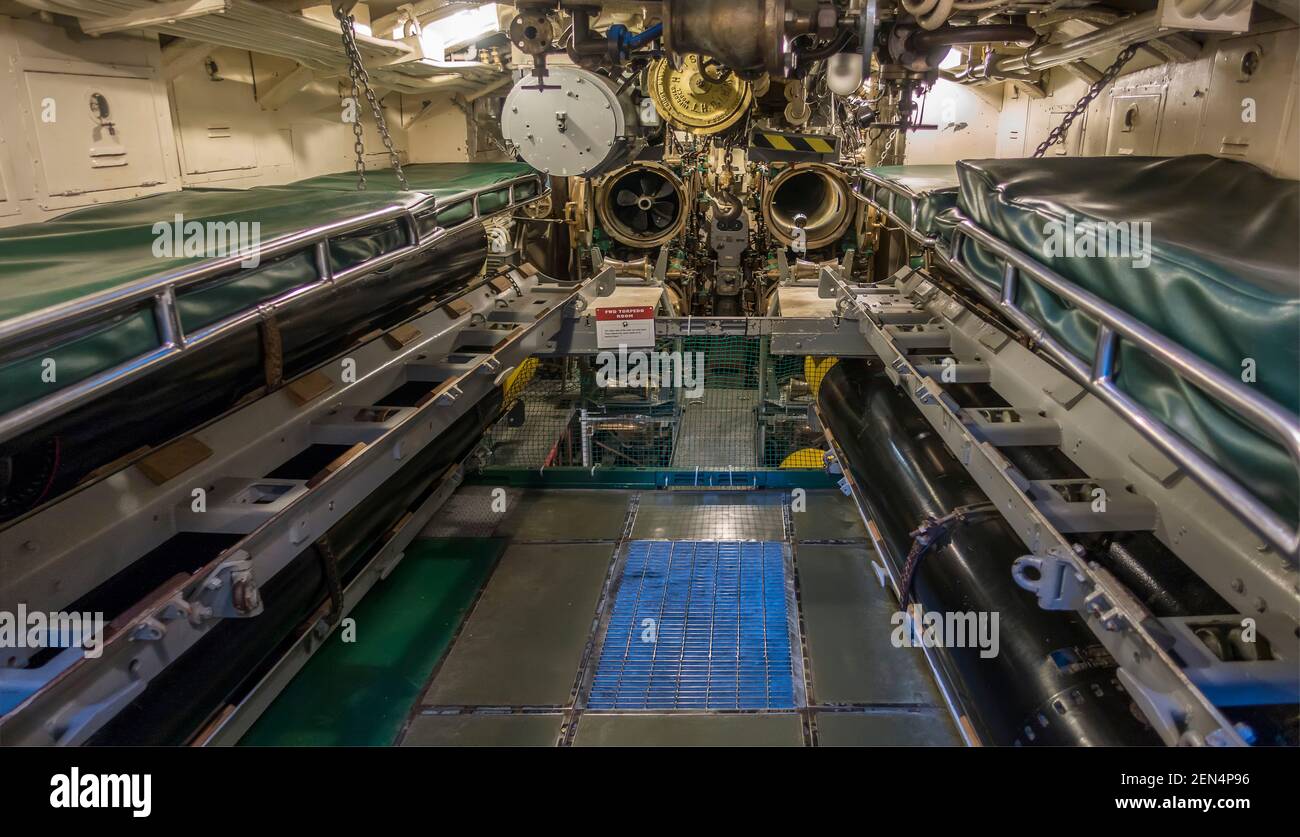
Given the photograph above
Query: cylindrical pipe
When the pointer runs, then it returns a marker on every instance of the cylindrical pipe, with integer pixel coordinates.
(745, 35)
(1049, 682)
(1128, 31)
(990, 33)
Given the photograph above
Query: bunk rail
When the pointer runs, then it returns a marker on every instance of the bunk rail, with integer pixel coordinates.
(1097, 374)
(870, 193)
(159, 292)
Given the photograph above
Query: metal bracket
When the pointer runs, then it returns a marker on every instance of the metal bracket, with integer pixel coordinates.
(1055, 581)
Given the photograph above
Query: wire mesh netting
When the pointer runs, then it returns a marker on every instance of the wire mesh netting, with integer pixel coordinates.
(712, 403)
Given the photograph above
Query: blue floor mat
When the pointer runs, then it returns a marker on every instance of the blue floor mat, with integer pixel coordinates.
(698, 625)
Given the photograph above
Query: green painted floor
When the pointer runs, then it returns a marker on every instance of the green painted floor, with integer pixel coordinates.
(360, 693)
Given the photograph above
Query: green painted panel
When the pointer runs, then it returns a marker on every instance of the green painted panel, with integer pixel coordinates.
(360, 693)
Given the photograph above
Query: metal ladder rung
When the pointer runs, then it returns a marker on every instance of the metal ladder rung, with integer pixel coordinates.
(1010, 427)
(1091, 505)
(919, 337)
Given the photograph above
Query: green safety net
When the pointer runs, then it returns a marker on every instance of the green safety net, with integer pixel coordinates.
(714, 404)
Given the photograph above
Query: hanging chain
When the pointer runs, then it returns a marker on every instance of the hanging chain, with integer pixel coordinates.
(888, 149)
(1057, 134)
(361, 83)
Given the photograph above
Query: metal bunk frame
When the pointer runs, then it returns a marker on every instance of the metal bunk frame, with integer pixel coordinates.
(160, 293)
(1172, 694)
(871, 194)
(1097, 374)
(73, 695)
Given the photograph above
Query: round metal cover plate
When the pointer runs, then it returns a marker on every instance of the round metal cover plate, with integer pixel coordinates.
(570, 128)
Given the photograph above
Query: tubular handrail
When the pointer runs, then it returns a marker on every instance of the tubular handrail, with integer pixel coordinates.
(160, 293)
(894, 191)
(1097, 374)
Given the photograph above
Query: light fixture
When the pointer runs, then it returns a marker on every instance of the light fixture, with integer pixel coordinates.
(954, 58)
(459, 30)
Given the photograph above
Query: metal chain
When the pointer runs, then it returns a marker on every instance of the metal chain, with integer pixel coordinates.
(361, 83)
(888, 148)
(1057, 134)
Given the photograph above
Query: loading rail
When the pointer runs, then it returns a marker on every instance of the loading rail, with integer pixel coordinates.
(463, 349)
(1173, 677)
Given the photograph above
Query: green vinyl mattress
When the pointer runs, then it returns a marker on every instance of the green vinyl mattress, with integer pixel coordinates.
(108, 247)
(1213, 262)
(103, 248)
(443, 181)
(934, 188)
(111, 246)
(114, 247)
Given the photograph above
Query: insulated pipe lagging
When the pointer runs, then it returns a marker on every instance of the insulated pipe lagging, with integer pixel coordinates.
(967, 35)
(1129, 31)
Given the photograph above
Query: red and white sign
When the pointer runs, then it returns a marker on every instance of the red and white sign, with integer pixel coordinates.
(631, 326)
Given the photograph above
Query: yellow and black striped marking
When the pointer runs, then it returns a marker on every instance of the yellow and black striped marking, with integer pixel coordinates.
(797, 143)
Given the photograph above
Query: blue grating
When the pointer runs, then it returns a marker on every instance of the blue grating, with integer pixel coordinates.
(720, 636)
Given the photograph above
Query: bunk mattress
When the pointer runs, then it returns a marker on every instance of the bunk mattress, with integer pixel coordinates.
(922, 194)
(445, 183)
(116, 249)
(1211, 261)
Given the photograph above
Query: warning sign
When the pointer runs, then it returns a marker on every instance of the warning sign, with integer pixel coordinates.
(631, 326)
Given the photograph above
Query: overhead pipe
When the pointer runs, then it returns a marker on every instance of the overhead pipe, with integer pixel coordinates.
(1141, 27)
(983, 33)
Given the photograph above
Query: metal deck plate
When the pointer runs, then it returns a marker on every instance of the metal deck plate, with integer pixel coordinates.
(847, 624)
(432, 730)
(931, 728)
(698, 625)
(525, 638)
(683, 730)
(719, 431)
(710, 516)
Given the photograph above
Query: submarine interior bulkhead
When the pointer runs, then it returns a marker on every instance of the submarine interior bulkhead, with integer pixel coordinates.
(808, 372)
